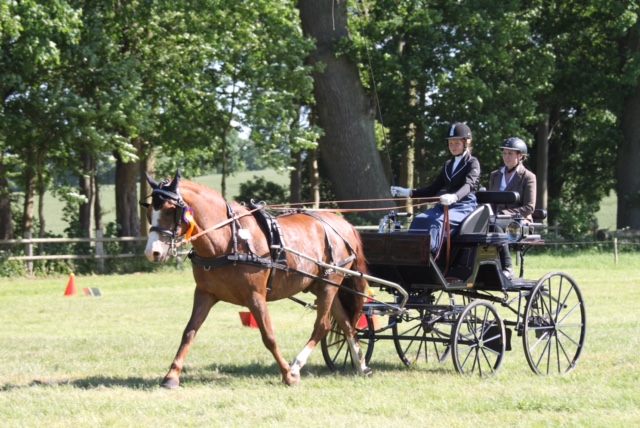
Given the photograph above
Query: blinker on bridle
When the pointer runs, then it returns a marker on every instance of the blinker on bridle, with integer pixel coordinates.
(167, 192)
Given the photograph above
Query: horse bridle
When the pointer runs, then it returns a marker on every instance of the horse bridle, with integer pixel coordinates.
(158, 198)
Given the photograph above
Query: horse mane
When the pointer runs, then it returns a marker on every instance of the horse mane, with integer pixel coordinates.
(207, 193)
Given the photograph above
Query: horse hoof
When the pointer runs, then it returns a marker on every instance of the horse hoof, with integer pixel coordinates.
(292, 379)
(368, 372)
(170, 383)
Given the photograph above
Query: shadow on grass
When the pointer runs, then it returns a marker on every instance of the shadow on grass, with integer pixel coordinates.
(219, 374)
(94, 382)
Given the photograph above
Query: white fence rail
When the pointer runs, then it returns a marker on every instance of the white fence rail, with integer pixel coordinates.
(98, 253)
(97, 244)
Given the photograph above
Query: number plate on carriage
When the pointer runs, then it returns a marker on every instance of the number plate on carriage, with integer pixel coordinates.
(487, 253)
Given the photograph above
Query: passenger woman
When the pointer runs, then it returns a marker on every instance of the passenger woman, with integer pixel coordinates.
(513, 177)
(455, 185)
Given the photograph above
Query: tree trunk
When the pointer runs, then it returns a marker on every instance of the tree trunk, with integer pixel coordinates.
(97, 208)
(295, 178)
(6, 222)
(345, 111)
(542, 165)
(407, 163)
(146, 165)
(314, 177)
(85, 182)
(225, 168)
(29, 195)
(127, 196)
(627, 177)
(40, 186)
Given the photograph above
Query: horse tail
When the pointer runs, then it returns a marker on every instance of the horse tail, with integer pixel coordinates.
(353, 302)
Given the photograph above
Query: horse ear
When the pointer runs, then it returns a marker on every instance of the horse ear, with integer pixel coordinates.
(174, 183)
(152, 182)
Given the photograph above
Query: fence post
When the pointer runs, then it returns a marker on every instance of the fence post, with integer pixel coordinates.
(615, 250)
(100, 250)
(28, 250)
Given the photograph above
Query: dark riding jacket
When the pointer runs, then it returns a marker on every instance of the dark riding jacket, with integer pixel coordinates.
(523, 182)
(462, 181)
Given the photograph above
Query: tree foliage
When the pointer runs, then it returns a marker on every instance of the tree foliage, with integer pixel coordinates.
(88, 84)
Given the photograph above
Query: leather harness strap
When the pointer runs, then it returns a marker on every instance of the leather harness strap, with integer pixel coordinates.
(265, 262)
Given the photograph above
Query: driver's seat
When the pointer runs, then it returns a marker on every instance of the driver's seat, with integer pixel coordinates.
(476, 223)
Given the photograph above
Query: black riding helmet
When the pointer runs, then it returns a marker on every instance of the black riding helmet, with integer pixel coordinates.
(515, 143)
(460, 131)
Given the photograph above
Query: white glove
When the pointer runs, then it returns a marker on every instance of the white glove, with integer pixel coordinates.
(400, 192)
(448, 198)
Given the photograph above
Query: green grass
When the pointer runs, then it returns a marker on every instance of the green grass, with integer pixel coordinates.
(56, 223)
(87, 361)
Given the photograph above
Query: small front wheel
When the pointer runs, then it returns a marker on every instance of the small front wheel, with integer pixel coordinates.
(336, 351)
(478, 341)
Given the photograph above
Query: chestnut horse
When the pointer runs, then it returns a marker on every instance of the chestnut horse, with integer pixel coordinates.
(232, 262)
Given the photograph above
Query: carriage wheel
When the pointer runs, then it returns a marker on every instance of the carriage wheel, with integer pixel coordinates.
(335, 348)
(417, 340)
(554, 325)
(478, 341)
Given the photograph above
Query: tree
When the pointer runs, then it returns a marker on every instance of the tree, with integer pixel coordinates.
(345, 111)
(32, 98)
(627, 180)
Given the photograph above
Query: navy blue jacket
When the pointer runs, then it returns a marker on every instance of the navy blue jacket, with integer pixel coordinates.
(462, 181)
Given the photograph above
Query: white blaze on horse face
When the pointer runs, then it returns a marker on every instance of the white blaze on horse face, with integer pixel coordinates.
(156, 250)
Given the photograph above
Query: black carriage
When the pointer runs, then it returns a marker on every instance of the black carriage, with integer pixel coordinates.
(449, 307)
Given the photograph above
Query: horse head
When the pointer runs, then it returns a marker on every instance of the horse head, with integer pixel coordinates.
(169, 218)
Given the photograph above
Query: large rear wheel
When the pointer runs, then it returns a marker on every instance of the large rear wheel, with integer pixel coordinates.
(335, 349)
(554, 325)
(478, 342)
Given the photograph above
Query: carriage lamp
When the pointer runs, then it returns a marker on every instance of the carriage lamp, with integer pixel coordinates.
(516, 230)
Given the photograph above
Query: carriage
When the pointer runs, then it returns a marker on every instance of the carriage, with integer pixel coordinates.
(451, 306)
(462, 306)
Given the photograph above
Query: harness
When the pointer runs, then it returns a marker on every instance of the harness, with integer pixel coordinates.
(273, 232)
(268, 224)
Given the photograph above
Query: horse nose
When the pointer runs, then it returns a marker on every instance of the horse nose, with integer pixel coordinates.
(156, 256)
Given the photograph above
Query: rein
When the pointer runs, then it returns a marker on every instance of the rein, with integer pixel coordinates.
(214, 227)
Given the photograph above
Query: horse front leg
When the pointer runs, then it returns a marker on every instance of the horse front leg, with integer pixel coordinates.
(258, 308)
(202, 304)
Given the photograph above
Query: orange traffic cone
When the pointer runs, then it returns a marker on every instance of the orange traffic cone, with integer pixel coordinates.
(71, 286)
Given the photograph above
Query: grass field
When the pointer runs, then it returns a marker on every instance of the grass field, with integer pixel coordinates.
(97, 361)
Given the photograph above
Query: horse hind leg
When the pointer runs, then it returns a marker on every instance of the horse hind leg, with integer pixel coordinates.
(349, 330)
(202, 304)
(321, 326)
(326, 306)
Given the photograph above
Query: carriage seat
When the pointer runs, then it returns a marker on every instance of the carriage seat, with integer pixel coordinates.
(477, 223)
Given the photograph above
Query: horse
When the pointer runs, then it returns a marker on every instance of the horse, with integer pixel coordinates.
(234, 261)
